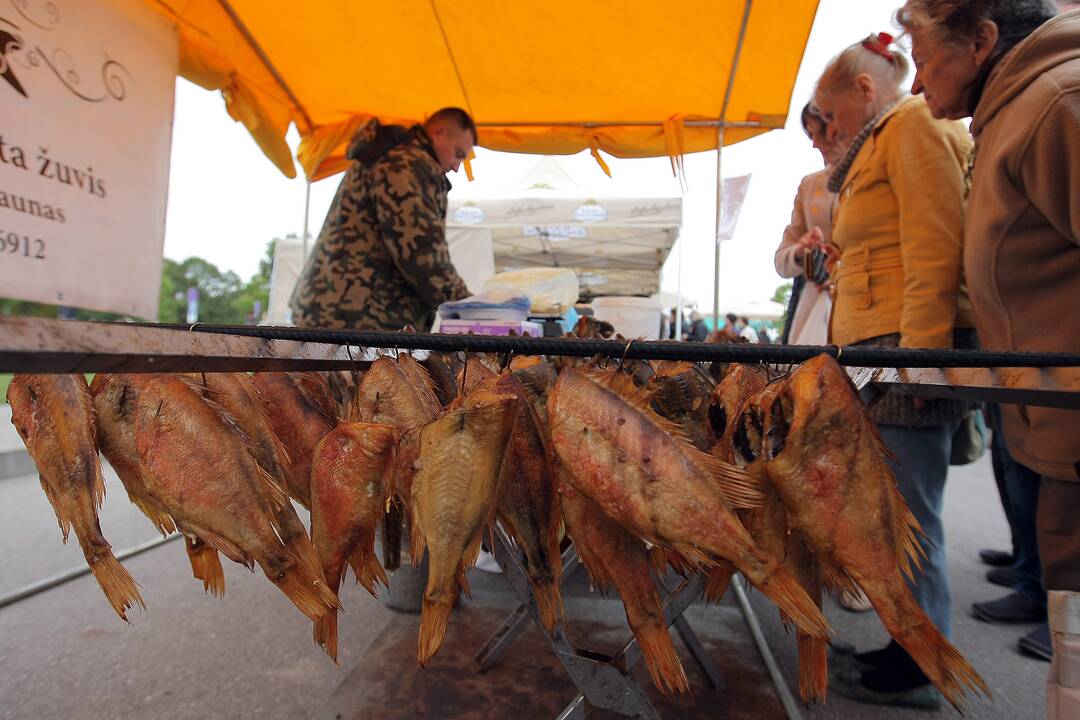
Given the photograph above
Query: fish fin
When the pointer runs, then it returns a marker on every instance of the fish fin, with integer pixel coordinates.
(549, 602)
(367, 569)
(61, 517)
(783, 589)
(660, 657)
(906, 533)
(741, 489)
(308, 592)
(878, 441)
(226, 547)
(813, 669)
(598, 574)
(206, 566)
(273, 491)
(119, 587)
(311, 400)
(658, 558)
(718, 582)
(160, 519)
(838, 581)
(417, 541)
(325, 633)
(694, 556)
(941, 661)
(468, 559)
(434, 617)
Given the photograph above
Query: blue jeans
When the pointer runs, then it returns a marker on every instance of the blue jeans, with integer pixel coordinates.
(920, 475)
(1021, 487)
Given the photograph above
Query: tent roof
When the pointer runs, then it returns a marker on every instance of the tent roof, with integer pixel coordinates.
(617, 245)
(555, 77)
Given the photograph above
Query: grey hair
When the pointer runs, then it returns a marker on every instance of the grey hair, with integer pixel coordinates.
(857, 59)
(954, 21)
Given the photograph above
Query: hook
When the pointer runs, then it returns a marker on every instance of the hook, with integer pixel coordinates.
(625, 350)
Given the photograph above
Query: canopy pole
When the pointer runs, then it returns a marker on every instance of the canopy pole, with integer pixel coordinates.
(679, 305)
(307, 210)
(719, 154)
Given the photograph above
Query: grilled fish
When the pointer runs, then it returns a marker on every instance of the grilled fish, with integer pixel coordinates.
(443, 369)
(828, 463)
(350, 485)
(635, 465)
(196, 461)
(453, 498)
(301, 410)
(54, 416)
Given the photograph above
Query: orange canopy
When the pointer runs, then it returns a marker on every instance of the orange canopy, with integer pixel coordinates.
(635, 78)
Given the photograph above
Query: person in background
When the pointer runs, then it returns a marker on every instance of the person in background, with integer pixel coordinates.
(898, 229)
(679, 323)
(810, 228)
(381, 261)
(699, 331)
(746, 331)
(1014, 69)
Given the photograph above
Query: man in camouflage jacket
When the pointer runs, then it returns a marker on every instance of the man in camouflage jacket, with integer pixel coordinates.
(381, 261)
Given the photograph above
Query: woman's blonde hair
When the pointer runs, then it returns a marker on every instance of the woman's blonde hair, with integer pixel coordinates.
(873, 56)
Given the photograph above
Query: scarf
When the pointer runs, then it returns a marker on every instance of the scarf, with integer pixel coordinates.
(836, 180)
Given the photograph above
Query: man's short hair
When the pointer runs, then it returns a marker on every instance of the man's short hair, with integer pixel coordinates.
(455, 116)
(731, 318)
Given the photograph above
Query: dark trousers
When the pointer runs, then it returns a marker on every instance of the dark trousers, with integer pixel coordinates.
(1019, 488)
(1059, 534)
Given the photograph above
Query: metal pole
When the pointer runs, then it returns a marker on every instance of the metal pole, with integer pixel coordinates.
(68, 575)
(307, 210)
(719, 151)
(791, 708)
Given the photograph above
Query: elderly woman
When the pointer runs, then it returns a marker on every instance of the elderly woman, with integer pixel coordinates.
(810, 227)
(1014, 68)
(898, 231)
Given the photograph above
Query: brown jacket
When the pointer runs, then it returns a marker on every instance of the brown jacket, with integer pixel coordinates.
(899, 229)
(1022, 251)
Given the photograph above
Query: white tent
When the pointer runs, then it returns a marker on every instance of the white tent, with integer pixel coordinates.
(617, 245)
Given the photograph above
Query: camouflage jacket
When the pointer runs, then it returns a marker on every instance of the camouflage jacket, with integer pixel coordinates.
(381, 261)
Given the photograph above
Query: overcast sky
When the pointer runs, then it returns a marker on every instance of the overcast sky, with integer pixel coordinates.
(226, 200)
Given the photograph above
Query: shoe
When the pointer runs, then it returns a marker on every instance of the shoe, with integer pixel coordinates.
(844, 655)
(997, 558)
(923, 697)
(896, 680)
(1005, 577)
(1037, 644)
(855, 601)
(1013, 608)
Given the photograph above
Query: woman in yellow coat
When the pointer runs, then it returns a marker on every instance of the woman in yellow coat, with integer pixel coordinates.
(898, 230)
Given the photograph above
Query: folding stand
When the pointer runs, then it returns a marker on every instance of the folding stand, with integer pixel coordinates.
(602, 681)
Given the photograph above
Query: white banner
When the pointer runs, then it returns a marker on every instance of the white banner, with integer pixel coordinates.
(732, 195)
(87, 89)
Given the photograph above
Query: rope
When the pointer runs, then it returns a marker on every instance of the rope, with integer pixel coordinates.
(645, 349)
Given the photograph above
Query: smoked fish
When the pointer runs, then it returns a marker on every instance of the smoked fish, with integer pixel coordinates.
(639, 469)
(828, 463)
(197, 462)
(454, 496)
(351, 482)
(301, 410)
(54, 416)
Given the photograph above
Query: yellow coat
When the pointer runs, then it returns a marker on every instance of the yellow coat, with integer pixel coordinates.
(899, 226)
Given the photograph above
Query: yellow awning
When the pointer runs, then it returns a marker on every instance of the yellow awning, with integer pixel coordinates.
(550, 76)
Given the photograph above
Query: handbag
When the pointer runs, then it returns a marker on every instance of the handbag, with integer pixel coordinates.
(969, 440)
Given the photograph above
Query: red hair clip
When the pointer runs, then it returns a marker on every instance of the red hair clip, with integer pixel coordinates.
(879, 45)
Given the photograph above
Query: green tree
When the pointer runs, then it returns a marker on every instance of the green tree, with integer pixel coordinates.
(782, 295)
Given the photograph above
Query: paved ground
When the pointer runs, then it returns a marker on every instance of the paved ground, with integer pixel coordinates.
(65, 654)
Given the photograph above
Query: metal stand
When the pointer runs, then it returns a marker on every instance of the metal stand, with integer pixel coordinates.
(602, 681)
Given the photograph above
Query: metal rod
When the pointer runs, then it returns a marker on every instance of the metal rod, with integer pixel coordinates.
(628, 123)
(791, 708)
(68, 575)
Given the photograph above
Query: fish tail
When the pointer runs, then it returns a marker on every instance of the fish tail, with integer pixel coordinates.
(718, 582)
(309, 593)
(813, 669)
(784, 590)
(548, 602)
(660, 657)
(119, 587)
(434, 615)
(325, 634)
(942, 662)
(206, 566)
